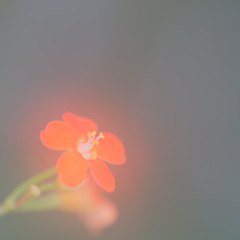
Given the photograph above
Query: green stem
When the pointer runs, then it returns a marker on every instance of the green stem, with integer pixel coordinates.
(48, 186)
(50, 201)
(10, 202)
(35, 191)
(44, 203)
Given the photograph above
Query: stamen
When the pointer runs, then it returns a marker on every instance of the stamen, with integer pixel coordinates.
(99, 137)
(87, 149)
(91, 134)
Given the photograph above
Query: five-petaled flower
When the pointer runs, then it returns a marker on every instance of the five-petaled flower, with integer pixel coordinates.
(85, 149)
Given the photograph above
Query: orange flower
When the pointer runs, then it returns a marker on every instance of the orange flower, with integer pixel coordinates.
(85, 149)
(95, 211)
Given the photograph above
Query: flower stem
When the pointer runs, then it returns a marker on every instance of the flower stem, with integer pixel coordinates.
(27, 191)
(48, 202)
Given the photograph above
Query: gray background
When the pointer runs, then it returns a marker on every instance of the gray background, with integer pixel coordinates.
(162, 75)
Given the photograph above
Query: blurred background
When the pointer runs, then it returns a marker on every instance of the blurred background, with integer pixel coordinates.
(161, 75)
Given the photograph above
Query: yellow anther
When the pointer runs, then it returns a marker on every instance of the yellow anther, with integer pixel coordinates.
(101, 135)
(91, 134)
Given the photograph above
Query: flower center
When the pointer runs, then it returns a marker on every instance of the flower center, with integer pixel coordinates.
(86, 148)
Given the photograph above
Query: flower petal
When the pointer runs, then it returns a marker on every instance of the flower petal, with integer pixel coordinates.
(102, 174)
(111, 149)
(71, 168)
(59, 136)
(84, 125)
